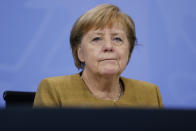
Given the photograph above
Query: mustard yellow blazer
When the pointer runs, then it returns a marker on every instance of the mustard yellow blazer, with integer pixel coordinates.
(70, 91)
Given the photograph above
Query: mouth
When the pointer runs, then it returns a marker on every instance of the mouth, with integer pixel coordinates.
(107, 59)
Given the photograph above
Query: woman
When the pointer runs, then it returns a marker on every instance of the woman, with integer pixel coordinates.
(102, 41)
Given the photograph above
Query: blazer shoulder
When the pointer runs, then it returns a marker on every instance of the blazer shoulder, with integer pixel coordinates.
(60, 78)
(146, 90)
(53, 90)
(138, 83)
(61, 81)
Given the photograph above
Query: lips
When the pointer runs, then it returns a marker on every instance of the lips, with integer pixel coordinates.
(105, 59)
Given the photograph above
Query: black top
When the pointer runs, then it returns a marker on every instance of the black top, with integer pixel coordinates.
(18, 98)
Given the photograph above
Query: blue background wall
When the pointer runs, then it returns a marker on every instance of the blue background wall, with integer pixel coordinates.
(34, 44)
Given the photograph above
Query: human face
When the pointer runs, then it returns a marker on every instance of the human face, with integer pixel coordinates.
(104, 51)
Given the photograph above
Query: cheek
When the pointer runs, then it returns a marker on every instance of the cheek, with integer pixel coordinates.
(90, 55)
(124, 56)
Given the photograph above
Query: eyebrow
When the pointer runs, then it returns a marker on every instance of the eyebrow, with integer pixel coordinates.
(118, 33)
(95, 33)
(102, 33)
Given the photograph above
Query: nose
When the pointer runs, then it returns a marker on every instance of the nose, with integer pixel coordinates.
(108, 45)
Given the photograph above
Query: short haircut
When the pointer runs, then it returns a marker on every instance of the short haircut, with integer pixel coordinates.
(98, 18)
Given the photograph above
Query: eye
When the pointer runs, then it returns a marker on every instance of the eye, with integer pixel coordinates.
(96, 39)
(118, 39)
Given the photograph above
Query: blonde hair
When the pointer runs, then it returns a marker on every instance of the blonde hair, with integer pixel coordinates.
(98, 18)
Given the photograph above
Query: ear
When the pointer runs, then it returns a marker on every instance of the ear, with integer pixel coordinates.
(80, 54)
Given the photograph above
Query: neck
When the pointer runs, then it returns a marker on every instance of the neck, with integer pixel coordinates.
(105, 87)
